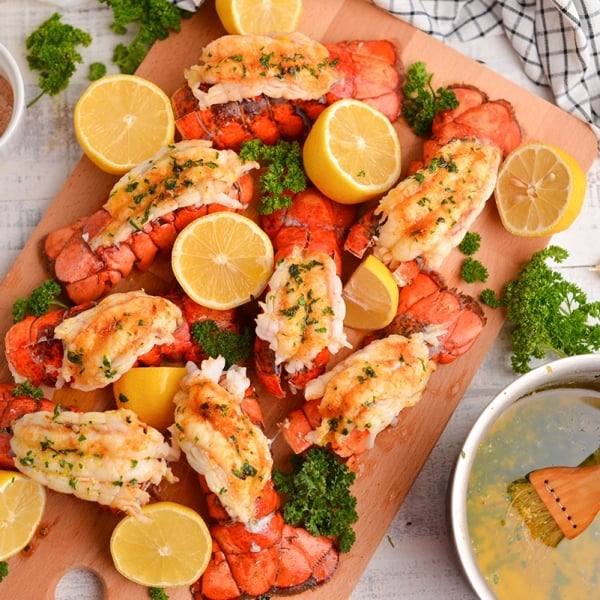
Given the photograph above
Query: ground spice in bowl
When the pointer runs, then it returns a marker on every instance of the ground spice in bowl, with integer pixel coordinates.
(6, 103)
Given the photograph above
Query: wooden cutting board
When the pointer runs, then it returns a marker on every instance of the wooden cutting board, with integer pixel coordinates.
(76, 533)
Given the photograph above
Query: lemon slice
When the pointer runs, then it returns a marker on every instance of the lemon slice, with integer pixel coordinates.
(148, 392)
(222, 260)
(259, 17)
(22, 503)
(540, 190)
(170, 545)
(352, 152)
(371, 296)
(122, 120)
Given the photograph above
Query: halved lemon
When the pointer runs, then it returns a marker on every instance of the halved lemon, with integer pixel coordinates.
(259, 16)
(540, 190)
(169, 546)
(371, 296)
(122, 120)
(352, 152)
(222, 260)
(22, 504)
(148, 392)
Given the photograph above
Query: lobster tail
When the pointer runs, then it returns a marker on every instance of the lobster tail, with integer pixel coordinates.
(300, 324)
(230, 112)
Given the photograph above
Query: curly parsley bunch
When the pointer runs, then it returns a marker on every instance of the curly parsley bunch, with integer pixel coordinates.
(549, 313)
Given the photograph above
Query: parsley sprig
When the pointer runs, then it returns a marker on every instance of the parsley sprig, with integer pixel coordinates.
(233, 347)
(470, 243)
(28, 389)
(548, 312)
(472, 269)
(422, 101)
(282, 172)
(150, 20)
(39, 301)
(53, 51)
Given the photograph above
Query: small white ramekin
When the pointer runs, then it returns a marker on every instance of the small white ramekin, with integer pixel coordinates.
(10, 70)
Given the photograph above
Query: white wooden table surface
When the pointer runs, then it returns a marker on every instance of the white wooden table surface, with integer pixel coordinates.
(415, 559)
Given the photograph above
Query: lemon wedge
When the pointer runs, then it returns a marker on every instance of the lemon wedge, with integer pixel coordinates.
(148, 392)
(22, 504)
(371, 296)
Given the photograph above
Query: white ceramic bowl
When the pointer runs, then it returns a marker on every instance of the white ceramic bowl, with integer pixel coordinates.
(10, 71)
(578, 372)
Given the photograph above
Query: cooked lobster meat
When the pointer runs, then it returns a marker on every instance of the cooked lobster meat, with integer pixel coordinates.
(300, 324)
(109, 457)
(209, 414)
(428, 213)
(13, 404)
(233, 67)
(90, 347)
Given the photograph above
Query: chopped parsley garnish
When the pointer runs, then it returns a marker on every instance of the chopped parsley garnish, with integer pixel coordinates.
(28, 389)
(247, 470)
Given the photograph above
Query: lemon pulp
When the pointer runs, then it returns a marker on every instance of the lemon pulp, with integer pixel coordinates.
(148, 392)
(170, 545)
(352, 153)
(540, 190)
(122, 120)
(222, 260)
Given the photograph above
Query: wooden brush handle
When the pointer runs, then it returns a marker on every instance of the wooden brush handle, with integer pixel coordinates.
(571, 495)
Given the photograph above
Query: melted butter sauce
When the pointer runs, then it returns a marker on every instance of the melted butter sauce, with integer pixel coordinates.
(547, 428)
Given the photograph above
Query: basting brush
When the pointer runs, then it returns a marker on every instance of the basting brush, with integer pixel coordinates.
(558, 502)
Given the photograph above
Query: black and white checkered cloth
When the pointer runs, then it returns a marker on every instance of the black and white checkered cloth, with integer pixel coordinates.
(558, 40)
